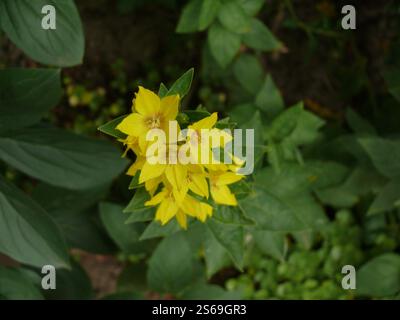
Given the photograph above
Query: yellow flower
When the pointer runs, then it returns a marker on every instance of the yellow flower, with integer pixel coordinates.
(151, 112)
(219, 189)
(169, 207)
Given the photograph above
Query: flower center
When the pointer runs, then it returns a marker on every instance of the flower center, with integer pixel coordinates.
(153, 122)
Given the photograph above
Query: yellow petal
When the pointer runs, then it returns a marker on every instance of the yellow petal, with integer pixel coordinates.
(182, 219)
(133, 125)
(176, 175)
(157, 198)
(206, 123)
(151, 171)
(167, 210)
(147, 103)
(227, 178)
(152, 185)
(136, 166)
(222, 195)
(199, 185)
(169, 107)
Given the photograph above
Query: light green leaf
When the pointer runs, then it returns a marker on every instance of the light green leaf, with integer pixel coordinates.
(249, 72)
(14, 285)
(252, 7)
(224, 44)
(61, 158)
(234, 18)
(385, 155)
(271, 243)
(182, 85)
(208, 13)
(27, 233)
(110, 128)
(260, 37)
(25, 95)
(22, 22)
(379, 277)
(269, 99)
(231, 237)
(171, 267)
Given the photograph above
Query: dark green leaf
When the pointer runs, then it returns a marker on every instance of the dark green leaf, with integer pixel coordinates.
(14, 285)
(126, 236)
(231, 237)
(25, 95)
(22, 22)
(27, 233)
(171, 267)
(61, 158)
(269, 99)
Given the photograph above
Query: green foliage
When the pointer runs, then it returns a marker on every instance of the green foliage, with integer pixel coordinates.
(63, 47)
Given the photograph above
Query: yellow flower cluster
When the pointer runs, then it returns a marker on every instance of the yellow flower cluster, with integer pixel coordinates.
(179, 190)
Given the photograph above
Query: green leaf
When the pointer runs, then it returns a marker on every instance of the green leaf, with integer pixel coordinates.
(258, 149)
(139, 212)
(358, 124)
(269, 99)
(215, 255)
(285, 123)
(133, 278)
(231, 237)
(385, 155)
(156, 230)
(182, 85)
(231, 215)
(162, 91)
(271, 243)
(61, 158)
(198, 15)
(126, 236)
(249, 72)
(73, 212)
(25, 95)
(171, 267)
(224, 44)
(109, 128)
(387, 198)
(208, 13)
(234, 18)
(392, 78)
(27, 233)
(282, 201)
(22, 22)
(380, 277)
(260, 37)
(14, 285)
(71, 285)
(252, 7)
(242, 113)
